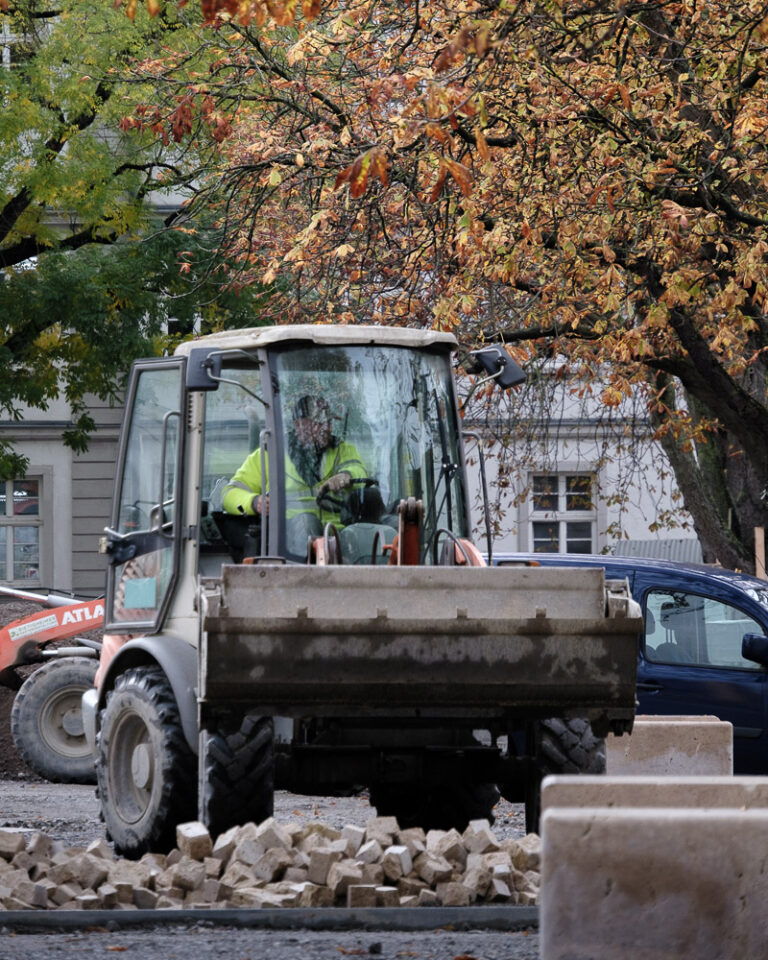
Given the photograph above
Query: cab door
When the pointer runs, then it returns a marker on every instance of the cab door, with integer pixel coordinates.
(690, 663)
(144, 536)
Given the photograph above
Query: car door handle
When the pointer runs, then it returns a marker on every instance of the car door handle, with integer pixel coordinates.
(652, 687)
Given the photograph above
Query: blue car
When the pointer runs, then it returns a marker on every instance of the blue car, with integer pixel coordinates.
(704, 649)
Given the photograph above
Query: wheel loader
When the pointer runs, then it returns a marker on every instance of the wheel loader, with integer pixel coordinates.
(330, 635)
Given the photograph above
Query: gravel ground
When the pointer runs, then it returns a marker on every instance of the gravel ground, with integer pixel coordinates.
(69, 812)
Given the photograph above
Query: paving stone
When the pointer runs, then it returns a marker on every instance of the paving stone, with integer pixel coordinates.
(453, 894)
(361, 895)
(11, 843)
(193, 840)
(396, 862)
(432, 868)
(479, 838)
(144, 898)
(382, 829)
(342, 874)
(387, 897)
(369, 852)
(272, 864)
(355, 837)
(321, 859)
(187, 874)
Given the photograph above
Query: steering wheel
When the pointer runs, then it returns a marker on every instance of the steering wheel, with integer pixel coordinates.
(334, 501)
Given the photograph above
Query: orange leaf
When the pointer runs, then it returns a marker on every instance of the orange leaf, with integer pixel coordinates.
(439, 185)
(460, 174)
(482, 145)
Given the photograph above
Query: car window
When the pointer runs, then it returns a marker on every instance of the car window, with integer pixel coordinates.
(687, 628)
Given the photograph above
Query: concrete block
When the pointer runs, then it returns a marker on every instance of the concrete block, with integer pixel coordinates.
(654, 883)
(194, 840)
(99, 848)
(654, 791)
(695, 746)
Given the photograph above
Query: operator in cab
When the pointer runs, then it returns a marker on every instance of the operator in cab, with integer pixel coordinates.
(319, 470)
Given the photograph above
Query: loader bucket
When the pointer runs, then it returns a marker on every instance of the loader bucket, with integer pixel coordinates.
(298, 640)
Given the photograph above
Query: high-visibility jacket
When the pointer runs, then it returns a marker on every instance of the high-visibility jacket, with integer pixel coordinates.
(300, 496)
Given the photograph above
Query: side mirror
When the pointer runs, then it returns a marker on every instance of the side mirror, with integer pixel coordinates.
(203, 369)
(499, 366)
(754, 647)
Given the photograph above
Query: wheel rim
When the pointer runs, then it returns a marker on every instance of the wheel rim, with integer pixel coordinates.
(60, 724)
(131, 768)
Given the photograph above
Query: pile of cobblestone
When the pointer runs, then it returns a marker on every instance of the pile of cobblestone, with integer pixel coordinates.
(276, 864)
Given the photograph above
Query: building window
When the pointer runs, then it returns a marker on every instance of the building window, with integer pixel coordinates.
(20, 525)
(563, 514)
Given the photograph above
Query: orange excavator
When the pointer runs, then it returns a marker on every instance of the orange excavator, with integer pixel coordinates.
(46, 717)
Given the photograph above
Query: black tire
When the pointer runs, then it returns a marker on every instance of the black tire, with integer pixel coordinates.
(436, 806)
(569, 746)
(561, 746)
(237, 773)
(47, 720)
(146, 770)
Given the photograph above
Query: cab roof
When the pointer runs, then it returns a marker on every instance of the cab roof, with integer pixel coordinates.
(324, 334)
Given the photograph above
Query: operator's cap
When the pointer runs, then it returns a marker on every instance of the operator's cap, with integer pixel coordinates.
(313, 408)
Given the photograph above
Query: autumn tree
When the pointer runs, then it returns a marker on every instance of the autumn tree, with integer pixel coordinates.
(584, 180)
(88, 279)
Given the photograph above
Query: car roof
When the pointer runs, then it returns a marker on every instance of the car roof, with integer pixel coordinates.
(733, 578)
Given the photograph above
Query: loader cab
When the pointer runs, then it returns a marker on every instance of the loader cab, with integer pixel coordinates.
(192, 420)
(301, 413)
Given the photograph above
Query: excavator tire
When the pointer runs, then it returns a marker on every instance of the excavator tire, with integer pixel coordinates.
(238, 778)
(146, 770)
(563, 746)
(47, 720)
(437, 806)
